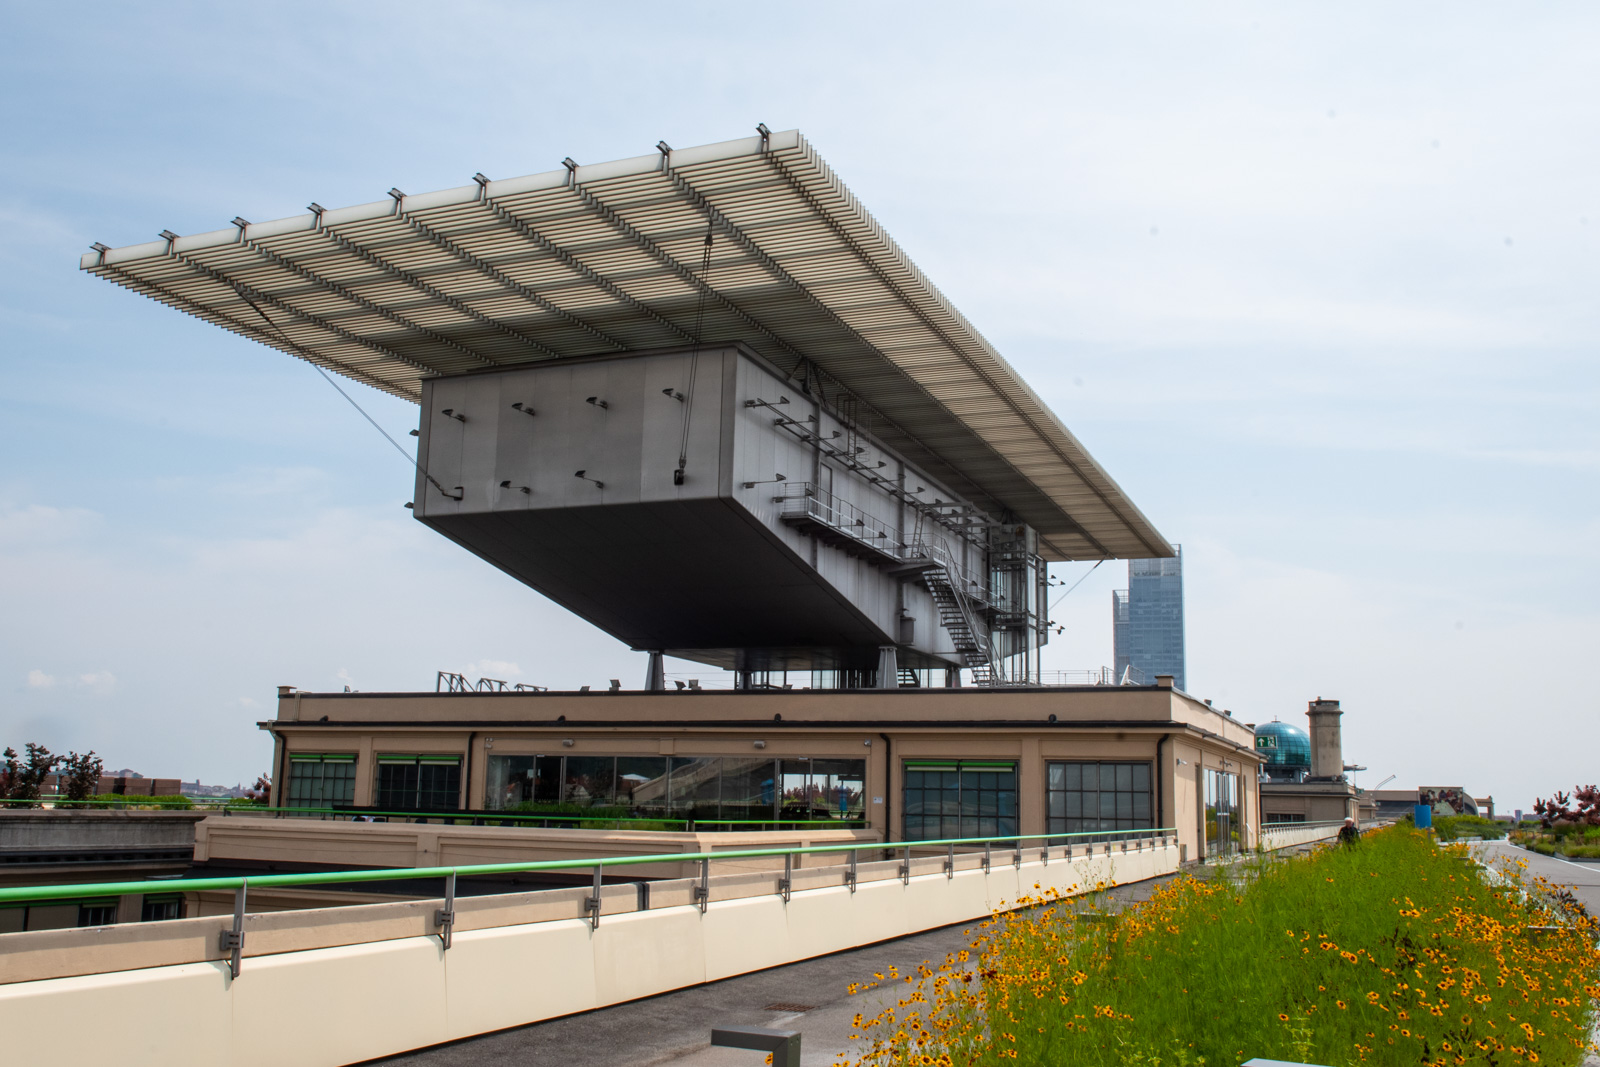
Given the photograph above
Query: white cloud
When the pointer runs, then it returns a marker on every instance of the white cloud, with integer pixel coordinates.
(492, 668)
(37, 679)
(42, 526)
(99, 681)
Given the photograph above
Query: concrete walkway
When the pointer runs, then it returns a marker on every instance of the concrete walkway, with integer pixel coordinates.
(1583, 879)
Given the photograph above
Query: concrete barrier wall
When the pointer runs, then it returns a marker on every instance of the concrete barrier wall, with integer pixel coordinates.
(344, 1004)
(1291, 835)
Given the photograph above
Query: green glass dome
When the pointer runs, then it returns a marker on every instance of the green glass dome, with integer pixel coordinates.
(1285, 748)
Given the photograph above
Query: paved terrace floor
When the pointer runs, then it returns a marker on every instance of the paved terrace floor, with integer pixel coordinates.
(674, 1029)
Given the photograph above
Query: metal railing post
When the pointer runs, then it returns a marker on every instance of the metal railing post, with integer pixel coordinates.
(786, 883)
(592, 904)
(1016, 855)
(950, 861)
(905, 868)
(232, 941)
(445, 918)
(783, 1044)
(850, 873)
(702, 892)
(1044, 853)
(986, 856)
(1069, 850)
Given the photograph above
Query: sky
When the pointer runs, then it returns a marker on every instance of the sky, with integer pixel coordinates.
(1316, 284)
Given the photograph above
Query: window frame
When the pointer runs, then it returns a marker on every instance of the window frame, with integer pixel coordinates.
(415, 789)
(1061, 823)
(322, 761)
(968, 813)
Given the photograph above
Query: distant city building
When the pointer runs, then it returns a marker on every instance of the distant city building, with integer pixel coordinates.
(1147, 619)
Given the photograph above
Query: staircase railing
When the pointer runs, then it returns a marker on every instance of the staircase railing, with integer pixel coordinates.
(971, 641)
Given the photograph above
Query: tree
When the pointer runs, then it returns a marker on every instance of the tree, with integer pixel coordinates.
(258, 793)
(1554, 812)
(81, 774)
(24, 780)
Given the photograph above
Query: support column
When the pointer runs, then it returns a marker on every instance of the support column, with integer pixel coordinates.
(888, 668)
(655, 674)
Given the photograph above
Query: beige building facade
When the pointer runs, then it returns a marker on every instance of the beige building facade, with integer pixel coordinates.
(906, 764)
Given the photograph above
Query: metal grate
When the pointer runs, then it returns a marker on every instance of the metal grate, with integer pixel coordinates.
(789, 1009)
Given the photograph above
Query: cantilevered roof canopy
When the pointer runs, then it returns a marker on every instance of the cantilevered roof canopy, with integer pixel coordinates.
(611, 257)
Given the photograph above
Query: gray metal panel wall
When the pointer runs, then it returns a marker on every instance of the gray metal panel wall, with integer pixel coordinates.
(706, 565)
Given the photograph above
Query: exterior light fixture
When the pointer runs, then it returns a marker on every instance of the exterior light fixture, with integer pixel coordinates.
(520, 406)
(481, 179)
(416, 433)
(673, 393)
(452, 413)
(664, 148)
(760, 744)
(585, 476)
(570, 163)
(616, 685)
(397, 194)
(520, 488)
(779, 478)
(240, 221)
(596, 401)
(567, 742)
(677, 683)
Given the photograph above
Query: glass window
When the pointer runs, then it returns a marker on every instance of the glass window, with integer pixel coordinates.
(959, 798)
(642, 781)
(590, 781)
(1222, 798)
(321, 781)
(747, 788)
(418, 783)
(1096, 797)
(161, 908)
(97, 913)
(713, 788)
(695, 788)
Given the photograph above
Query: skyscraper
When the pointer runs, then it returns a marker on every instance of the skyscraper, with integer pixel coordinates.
(1147, 619)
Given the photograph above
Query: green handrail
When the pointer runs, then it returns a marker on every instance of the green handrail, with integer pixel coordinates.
(195, 885)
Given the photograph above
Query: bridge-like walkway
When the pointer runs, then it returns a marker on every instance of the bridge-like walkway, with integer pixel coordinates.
(673, 1030)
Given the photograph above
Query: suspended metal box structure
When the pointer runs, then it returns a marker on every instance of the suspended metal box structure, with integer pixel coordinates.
(750, 432)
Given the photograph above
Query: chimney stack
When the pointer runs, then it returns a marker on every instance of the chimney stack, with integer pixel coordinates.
(1327, 748)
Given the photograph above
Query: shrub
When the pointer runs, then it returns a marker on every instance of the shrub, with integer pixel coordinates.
(1452, 827)
(136, 803)
(22, 780)
(1392, 952)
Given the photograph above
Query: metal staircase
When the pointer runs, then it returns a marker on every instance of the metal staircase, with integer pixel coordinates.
(972, 646)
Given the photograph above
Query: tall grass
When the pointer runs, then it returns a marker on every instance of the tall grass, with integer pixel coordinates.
(1394, 951)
